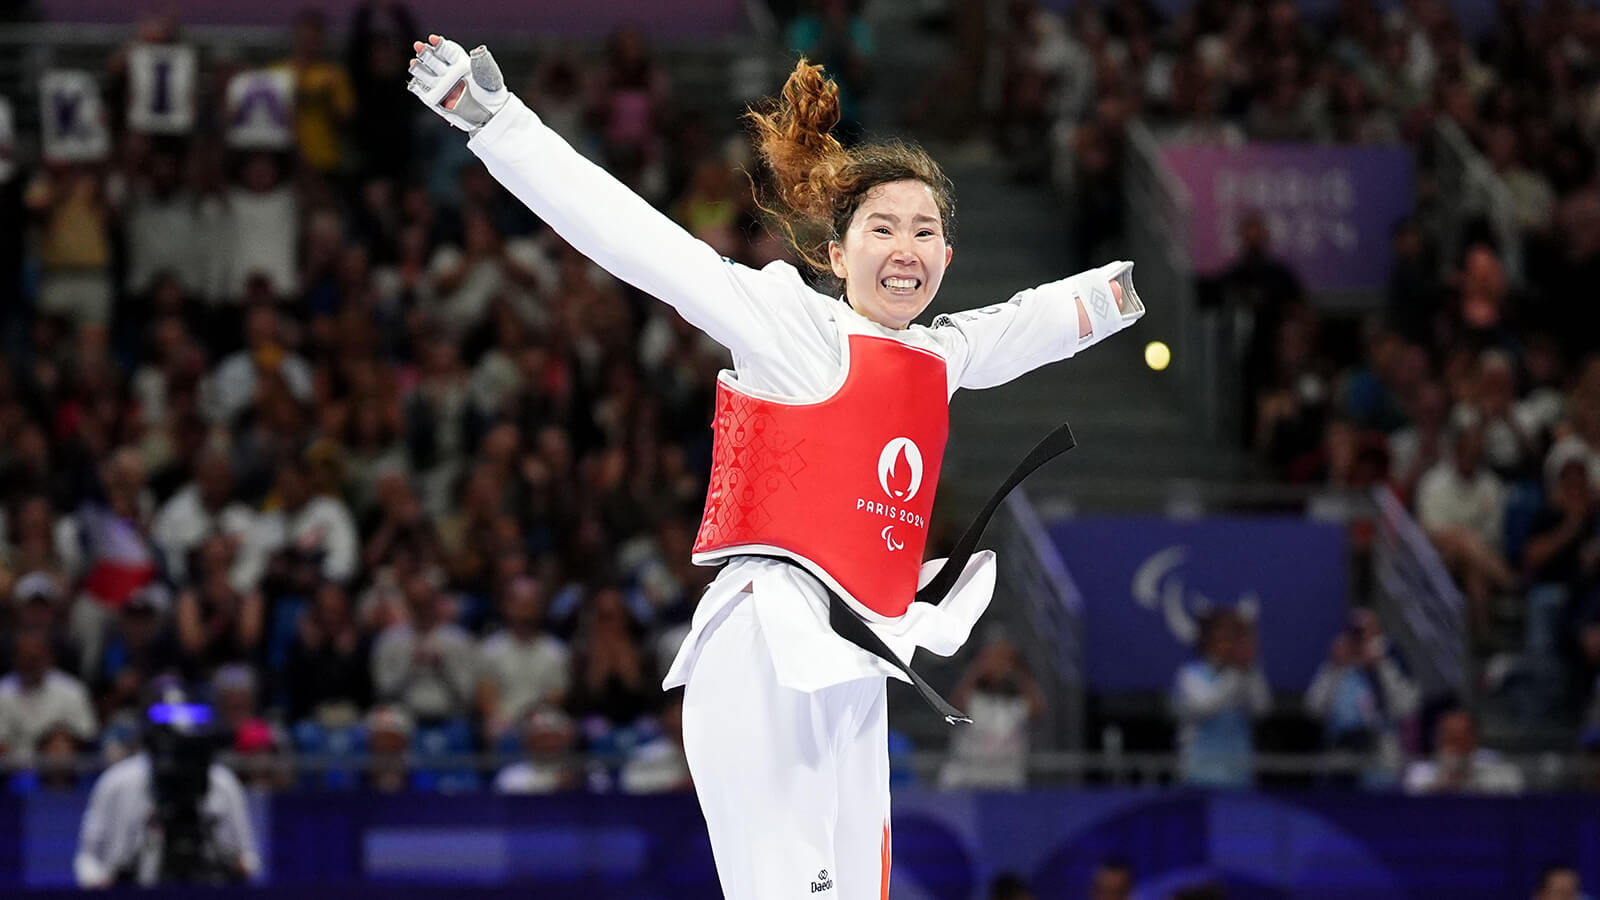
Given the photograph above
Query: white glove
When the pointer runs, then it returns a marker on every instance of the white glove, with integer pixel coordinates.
(466, 89)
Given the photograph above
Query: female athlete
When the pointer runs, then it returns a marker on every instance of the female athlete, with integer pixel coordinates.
(829, 434)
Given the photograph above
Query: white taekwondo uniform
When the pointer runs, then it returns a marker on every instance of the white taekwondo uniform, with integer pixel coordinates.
(785, 722)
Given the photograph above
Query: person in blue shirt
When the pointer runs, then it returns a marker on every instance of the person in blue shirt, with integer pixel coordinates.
(1216, 699)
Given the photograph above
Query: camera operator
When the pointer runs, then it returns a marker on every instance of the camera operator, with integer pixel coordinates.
(168, 814)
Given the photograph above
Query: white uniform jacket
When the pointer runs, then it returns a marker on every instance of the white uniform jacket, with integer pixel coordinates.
(786, 340)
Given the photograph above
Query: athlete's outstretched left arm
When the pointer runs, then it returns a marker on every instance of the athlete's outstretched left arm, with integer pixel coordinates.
(1043, 324)
(741, 308)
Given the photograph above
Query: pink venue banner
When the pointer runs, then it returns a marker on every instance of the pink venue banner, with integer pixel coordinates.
(473, 21)
(1329, 208)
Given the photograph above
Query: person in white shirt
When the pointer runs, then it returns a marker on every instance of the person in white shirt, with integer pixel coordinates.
(121, 839)
(232, 386)
(784, 715)
(521, 666)
(37, 697)
(1462, 507)
(1005, 700)
(1459, 765)
(309, 526)
(550, 742)
(427, 664)
(1217, 699)
(658, 766)
(200, 508)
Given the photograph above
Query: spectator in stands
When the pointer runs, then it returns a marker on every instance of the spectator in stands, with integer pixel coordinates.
(1291, 413)
(328, 670)
(1420, 446)
(309, 536)
(466, 535)
(549, 741)
(37, 605)
(217, 623)
(253, 739)
(1561, 558)
(634, 93)
(109, 548)
(1261, 289)
(1459, 765)
(1461, 505)
(261, 221)
(140, 647)
(1414, 293)
(56, 759)
(203, 507)
(380, 123)
(993, 753)
(1112, 880)
(522, 667)
(614, 683)
(1216, 698)
(235, 385)
(36, 697)
(426, 665)
(323, 97)
(1512, 443)
(1559, 881)
(1009, 886)
(163, 229)
(389, 733)
(68, 202)
(833, 35)
(659, 766)
(1364, 697)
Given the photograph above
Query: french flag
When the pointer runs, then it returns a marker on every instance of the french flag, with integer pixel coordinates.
(120, 561)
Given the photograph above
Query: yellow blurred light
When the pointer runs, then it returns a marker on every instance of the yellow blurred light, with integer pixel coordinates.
(1157, 355)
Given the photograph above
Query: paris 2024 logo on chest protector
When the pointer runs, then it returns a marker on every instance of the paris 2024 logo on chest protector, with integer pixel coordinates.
(900, 485)
(900, 476)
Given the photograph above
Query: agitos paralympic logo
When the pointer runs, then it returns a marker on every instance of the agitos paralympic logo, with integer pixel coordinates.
(900, 477)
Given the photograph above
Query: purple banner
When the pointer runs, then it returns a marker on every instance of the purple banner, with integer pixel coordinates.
(469, 21)
(1321, 845)
(1146, 581)
(1329, 209)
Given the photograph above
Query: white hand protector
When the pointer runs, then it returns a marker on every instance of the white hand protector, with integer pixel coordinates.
(470, 83)
(1093, 290)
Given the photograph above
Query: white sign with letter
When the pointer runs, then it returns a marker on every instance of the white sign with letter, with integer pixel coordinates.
(259, 105)
(73, 118)
(161, 88)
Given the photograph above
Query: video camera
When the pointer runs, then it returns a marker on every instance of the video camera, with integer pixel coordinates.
(182, 743)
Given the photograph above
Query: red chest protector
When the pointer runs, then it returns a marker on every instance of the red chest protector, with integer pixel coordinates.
(843, 486)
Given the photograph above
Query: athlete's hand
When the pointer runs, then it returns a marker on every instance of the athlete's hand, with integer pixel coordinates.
(466, 89)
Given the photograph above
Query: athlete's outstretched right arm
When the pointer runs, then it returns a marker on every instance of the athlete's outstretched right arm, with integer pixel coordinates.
(591, 210)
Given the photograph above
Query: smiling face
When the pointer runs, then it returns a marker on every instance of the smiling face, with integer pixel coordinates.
(893, 256)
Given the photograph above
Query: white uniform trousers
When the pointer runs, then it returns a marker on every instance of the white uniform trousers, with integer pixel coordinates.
(794, 785)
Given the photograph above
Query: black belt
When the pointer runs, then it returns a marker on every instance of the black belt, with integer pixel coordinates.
(849, 624)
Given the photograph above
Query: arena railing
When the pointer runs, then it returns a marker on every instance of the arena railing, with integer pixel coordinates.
(1043, 609)
(1418, 601)
(1469, 189)
(1159, 209)
(1541, 772)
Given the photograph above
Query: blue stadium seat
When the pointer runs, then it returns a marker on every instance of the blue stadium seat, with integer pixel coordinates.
(1524, 499)
(432, 745)
(345, 745)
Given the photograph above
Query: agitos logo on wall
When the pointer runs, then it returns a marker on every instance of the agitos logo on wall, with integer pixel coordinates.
(1152, 578)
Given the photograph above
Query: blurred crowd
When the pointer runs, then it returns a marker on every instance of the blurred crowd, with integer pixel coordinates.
(1475, 392)
(343, 432)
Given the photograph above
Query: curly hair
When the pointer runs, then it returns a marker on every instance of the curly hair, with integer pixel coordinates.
(817, 183)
